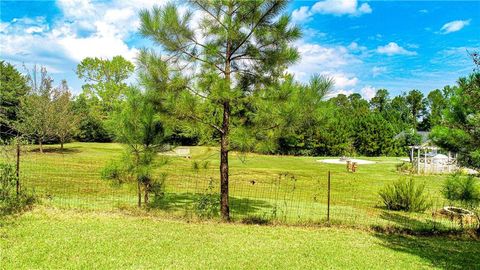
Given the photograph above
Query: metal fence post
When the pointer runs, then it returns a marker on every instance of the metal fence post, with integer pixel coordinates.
(328, 201)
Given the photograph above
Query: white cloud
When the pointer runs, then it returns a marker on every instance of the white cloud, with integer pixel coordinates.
(378, 70)
(454, 26)
(86, 28)
(341, 7)
(368, 92)
(334, 7)
(311, 33)
(74, 9)
(424, 11)
(316, 58)
(342, 80)
(301, 14)
(25, 25)
(393, 48)
(96, 46)
(340, 92)
(35, 29)
(3, 27)
(355, 47)
(364, 9)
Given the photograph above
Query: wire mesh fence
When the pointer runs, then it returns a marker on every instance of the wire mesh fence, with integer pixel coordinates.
(70, 179)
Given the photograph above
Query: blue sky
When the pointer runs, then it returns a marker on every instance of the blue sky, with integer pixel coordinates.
(363, 45)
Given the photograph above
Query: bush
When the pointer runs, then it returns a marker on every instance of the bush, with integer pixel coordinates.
(10, 201)
(157, 187)
(405, 196)
(256, 219)
(405, 167)
(462, 189)
(112, 171)
(207, 205)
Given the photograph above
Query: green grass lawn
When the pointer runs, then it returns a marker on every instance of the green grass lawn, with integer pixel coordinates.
(48, 238)
(291, 189)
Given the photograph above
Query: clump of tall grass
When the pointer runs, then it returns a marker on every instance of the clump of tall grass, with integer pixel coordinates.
(11, 200)
(462, 189)
(406, 196)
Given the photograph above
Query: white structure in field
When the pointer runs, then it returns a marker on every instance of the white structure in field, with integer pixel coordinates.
(182, 152)
(426, 159)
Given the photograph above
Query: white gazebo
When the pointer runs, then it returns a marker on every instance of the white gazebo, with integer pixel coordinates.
(426, 160)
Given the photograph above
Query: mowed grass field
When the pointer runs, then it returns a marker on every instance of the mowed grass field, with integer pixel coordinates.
(48, 238)
(290, 189)
(84, 222)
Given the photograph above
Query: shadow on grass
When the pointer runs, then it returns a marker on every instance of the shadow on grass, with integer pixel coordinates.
(440, 252)
(181, 201)
(416, 226)
(58, 150)
(445, 252)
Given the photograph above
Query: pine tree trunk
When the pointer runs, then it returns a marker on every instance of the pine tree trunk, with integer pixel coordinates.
(145, 195)
(224, 142)
(61, 145)
(224, 207)
(139, 194)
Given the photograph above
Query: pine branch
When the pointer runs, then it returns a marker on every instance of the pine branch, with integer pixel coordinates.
(254, 28)
(209, 13)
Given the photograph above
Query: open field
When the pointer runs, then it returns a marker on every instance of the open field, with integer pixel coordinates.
(284, 188)
(46, 238)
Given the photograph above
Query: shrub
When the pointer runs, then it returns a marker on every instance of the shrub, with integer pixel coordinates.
(465, 190)
(405, 196)
(8, 180)
(10, 201)
(256, 219)
(157, 187)
(112, 171)
(405, 167)
(207, 204)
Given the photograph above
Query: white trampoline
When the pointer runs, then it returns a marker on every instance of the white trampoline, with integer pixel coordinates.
(344, 161)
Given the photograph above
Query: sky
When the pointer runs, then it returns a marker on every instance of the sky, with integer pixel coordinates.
(362, 45)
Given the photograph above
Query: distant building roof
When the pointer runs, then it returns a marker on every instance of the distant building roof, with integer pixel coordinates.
(423, 134)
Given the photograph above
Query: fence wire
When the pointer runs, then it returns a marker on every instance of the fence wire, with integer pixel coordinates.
(291, 197)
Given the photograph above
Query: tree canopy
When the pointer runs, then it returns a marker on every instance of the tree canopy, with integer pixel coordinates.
(13, 87)
(105, 79)
(459, 130)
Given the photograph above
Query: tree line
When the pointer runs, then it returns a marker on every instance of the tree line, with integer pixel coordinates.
(287, 117)
(223, 81)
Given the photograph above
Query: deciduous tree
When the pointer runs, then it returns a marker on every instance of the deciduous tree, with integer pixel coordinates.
(37, 117)
(66, 119)
(380, 101)
(13, 87)
(105, 79)
(416, 104)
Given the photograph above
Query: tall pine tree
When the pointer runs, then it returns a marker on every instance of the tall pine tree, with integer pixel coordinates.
(236, 48)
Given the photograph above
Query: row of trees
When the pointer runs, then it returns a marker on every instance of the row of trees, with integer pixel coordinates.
(33, 107)
(351, 125)
(302, 122)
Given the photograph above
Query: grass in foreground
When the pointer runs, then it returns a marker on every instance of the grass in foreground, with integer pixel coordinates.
(67, 239)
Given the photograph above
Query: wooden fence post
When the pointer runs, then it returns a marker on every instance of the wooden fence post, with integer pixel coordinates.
(17, 169)
(328, 202)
